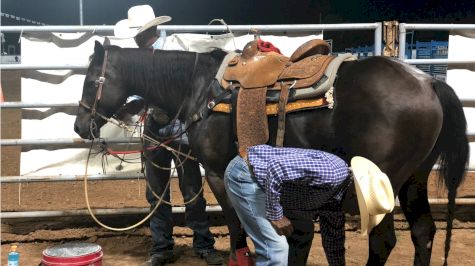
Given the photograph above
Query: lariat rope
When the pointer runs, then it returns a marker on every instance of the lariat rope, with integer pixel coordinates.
(160, 199)
(115, 228)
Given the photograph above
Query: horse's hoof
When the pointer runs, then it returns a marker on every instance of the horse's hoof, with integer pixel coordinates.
(243, 258)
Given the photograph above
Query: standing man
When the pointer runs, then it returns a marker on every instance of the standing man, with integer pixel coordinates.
(141, 24)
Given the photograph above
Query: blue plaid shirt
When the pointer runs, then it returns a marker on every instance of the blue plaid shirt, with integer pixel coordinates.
(298, 181)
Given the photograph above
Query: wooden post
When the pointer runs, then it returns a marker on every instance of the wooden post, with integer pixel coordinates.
(391, 38)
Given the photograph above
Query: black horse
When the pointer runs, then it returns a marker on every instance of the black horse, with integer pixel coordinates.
(385, 110)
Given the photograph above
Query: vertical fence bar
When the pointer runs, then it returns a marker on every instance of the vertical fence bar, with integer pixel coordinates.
(402, 41)
(378, 38)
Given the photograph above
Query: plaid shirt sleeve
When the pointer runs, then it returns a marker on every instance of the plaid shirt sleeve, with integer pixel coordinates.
(274, 210)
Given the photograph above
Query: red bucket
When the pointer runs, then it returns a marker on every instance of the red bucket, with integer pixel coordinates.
(73, 254)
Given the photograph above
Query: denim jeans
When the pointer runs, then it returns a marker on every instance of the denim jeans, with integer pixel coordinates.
(161, 222)
(249, 201)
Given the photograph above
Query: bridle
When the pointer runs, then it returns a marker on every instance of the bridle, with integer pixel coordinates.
(99, 84)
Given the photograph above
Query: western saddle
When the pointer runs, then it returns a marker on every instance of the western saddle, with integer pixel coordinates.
(256, 73)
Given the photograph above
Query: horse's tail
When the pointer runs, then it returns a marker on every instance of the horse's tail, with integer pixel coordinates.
(454, 148)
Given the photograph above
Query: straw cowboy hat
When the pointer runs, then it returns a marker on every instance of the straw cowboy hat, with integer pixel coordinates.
(139, 19)
(374, 192)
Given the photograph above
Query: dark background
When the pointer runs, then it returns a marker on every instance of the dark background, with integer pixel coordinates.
(200, 12)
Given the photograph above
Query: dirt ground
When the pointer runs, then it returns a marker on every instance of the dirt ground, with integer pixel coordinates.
(130, 248)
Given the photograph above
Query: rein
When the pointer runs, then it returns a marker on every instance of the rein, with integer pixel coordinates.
(123, 125)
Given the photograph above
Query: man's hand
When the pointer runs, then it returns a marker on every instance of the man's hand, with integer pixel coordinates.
(283, 226)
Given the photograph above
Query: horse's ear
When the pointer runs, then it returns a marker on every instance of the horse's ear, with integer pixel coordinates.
(98, 51)
(107, 41)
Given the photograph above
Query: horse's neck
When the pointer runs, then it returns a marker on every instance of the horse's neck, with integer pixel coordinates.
(135, 72)
(157, 79)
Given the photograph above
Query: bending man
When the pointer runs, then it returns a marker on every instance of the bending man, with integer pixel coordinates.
(279, 193)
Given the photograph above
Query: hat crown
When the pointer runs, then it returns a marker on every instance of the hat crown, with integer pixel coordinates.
(378, 192)
(138, 16)
(139, 19)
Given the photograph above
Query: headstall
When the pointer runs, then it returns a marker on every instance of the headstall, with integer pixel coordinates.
(98, 83)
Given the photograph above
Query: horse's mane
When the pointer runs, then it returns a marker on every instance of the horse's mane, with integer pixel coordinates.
(165, 67)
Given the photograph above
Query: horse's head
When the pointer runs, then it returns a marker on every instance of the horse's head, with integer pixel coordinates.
(103, 93)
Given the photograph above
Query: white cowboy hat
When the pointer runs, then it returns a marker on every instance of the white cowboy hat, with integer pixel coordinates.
(139, 19)
(374, 192)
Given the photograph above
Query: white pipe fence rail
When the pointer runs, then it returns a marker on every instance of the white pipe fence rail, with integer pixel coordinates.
(42, 67)
(36, 105)
(404, 27)
(175, 210)
(376, 27)
(81, 143)
(67, 213)
(279, 28)
(284, 29)
(438, 61)
(97, 177)
(63, 178)
(65, 141)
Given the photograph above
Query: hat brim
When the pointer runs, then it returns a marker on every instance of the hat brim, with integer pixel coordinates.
(122, 29)
(362, 166)
(154, 22)
(364, 215)
(368, 222)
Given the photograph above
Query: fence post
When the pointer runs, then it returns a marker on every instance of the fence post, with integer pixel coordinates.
(390, 37)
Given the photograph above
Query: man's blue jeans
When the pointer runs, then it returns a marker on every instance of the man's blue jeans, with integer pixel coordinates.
(249, 202)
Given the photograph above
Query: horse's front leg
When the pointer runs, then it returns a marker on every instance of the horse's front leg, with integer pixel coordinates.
(236, 232)
(415, 204)
(382, 240)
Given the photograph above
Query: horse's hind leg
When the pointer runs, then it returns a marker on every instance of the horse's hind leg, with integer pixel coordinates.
(382, 240)
(415, 205)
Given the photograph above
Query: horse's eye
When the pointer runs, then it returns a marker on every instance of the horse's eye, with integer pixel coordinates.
(90, 83)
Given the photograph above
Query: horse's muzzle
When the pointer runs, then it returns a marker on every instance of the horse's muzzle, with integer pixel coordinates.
(86, 130)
